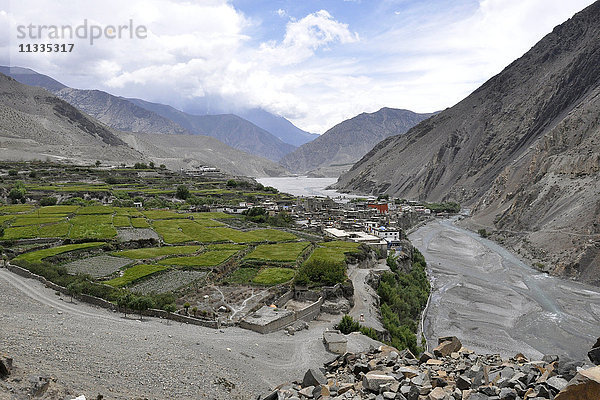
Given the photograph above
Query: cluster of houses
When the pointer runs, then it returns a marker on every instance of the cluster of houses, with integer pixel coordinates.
(376, 223)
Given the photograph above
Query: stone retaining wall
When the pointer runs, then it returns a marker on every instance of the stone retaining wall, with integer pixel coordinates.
(107, 304)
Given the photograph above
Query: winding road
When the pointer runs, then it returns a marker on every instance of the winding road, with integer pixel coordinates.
(495, 303)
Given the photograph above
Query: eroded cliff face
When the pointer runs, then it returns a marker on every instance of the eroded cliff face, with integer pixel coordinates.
(522, 151)
(547, 204)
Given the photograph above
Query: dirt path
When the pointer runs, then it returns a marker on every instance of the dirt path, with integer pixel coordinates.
(365, 297)
(495, 303)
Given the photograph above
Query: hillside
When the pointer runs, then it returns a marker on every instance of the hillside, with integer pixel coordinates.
(134, 115)
(193, 151)
(345, 143)
(228, 128)
(278, 126)
(38, 125)
(522, 150)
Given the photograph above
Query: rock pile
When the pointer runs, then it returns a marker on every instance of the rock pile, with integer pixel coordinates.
(450, 373)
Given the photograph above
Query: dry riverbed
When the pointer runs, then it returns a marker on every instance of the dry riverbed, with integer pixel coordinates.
(496, 304)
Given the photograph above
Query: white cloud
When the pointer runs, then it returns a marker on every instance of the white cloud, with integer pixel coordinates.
(319, 72)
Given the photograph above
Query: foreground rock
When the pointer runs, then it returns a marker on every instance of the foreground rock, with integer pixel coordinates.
(584, 386)
(451, 373)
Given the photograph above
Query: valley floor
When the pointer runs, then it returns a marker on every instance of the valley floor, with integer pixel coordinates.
(495, 303)
(94, 351)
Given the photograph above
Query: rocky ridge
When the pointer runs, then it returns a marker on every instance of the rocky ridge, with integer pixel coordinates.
(345, 143)
(521, 151)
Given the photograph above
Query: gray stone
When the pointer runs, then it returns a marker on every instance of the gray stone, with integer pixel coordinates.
(463, 382)
(594, 355)
(550, 358)
(335, 342)
(373, 380)
(426, 356)
(5, 365)
(313, 377)
(447, 345)
(508, 394)
(557, 383)
(489, 390)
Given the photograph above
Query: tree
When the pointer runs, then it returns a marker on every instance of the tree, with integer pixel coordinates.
(123, 302)
(162, 166)
(74, 289)
(97, 163)
(151, 164)
(17, 192)
(231, 183)
(48, 201)
(348, 325)
(13, 172)
(182, 192)
(142, 303)
(187, 307)
(194, 310)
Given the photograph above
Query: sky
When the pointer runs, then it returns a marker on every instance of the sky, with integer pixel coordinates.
(314, 62)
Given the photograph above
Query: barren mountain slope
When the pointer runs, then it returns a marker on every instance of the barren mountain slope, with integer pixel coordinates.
(523, 149)
(193, 151)
(37, 125)
(349, 140)
(228, 128)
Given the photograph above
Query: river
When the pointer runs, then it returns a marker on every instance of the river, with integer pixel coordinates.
(304, 186)
(495, 303)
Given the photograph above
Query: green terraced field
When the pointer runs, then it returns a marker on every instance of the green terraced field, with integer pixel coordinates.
(15, 208)
(140, 223)
(208, 259)
(273, 276)
(154, 252)
(121, 221)
(92, 227)
(136, 273)
(280, 252)
(39, 255)
(163, 214)
(242, 276)
(255, 236)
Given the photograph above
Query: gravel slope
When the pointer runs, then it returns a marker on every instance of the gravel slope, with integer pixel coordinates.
(496, 304)
(94, 351)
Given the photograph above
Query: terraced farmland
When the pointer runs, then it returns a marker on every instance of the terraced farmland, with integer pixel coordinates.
(279, 252)
(97, 266)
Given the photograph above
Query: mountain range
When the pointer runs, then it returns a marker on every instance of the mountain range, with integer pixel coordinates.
(340, 147)
(135, 115)
(522, 151)
(35, 124)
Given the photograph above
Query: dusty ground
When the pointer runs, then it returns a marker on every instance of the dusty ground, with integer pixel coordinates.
(94, 351)
(495, 303)
(365, 297)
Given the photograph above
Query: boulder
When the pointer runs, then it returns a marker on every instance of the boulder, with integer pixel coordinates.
(463, 382)
(446, 346)
(508, 394)
(594, 355)
(373, 380)
(313, 377)
(584, 386)
(5, 365)
(437, 394)
(425, 357)
(335, 342)
(557, 383)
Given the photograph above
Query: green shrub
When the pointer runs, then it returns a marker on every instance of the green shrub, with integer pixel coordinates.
(403, 297)
(48, 201)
